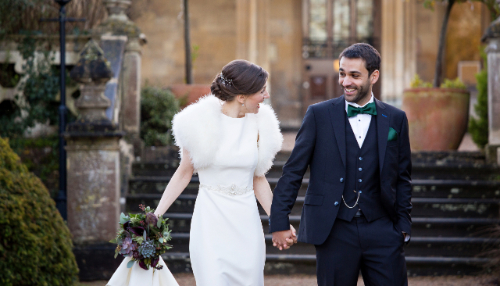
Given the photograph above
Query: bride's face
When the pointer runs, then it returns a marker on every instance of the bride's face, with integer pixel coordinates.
(253, 101)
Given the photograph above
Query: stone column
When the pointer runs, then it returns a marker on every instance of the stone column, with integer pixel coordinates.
(93, 155)
(252, 31)
(398, 48)
(492, 38)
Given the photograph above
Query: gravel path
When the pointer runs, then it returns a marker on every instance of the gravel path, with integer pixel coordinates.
(307, 280)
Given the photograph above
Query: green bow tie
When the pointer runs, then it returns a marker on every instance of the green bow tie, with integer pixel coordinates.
(370, 108)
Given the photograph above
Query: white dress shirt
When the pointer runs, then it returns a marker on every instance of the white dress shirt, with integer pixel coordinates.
(360, 123)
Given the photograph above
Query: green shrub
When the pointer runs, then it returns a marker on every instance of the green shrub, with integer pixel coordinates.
(418, 82)
(158, 107)
(455, 83)
(478, 127)
(40, 156)
(35, 244)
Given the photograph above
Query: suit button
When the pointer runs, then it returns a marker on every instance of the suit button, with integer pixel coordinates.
(341, 180)
(360, 169)
(360, 158)
(360, 180)
(336, 203)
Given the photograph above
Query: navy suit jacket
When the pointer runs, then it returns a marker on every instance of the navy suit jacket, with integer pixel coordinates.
(320, 145)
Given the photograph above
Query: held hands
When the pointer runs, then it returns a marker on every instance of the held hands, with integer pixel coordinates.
(285, 239)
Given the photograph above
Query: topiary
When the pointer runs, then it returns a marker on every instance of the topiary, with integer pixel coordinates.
(158, 107)
(35, 243)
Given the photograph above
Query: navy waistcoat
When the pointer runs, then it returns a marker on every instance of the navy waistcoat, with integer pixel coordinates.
(362, 174)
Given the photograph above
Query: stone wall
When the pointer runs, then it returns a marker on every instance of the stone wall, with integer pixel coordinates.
(285, 54)
(468, 21)
(213, 30)
(410, 35)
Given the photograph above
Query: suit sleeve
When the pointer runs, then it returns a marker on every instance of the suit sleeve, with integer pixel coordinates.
(290, 182)
(403, 187)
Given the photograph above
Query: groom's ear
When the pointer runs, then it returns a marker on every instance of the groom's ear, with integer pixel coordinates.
(374, 76)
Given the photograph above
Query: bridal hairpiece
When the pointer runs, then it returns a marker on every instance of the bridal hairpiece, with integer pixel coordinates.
(227, 82)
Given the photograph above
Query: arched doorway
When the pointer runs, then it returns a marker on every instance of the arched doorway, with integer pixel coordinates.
(328, 27)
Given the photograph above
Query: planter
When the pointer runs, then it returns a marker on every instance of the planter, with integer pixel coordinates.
(437, 117)
(192, 91)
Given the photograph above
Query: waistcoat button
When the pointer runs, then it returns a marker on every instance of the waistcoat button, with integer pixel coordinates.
(336, 203)
(341, 180)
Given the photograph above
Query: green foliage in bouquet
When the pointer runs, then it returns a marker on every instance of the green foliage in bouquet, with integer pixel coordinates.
(143, 237)
(158, 107)
(35, 244)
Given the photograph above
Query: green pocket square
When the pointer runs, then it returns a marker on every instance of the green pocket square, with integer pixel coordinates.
(393, 135)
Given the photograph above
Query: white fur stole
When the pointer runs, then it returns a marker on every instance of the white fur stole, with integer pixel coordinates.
(197, 129)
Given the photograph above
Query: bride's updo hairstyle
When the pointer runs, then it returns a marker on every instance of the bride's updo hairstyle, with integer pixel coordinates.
(238, 77)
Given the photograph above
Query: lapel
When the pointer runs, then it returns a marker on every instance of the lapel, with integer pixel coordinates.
(337, 116)
(383, 119)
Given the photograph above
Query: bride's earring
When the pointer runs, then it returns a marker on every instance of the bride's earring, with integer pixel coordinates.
(242, 104)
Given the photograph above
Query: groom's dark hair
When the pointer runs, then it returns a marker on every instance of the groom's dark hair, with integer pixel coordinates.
(363, 51)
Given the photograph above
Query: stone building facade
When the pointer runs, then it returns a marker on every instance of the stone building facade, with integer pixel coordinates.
(297, 41)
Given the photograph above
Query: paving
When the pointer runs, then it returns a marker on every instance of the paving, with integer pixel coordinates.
(185, 279)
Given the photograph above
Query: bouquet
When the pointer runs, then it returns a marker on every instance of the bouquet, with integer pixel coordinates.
(143, 238)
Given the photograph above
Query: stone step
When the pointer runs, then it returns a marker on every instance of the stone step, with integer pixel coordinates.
(306, 264)
(282, 263)
(419, 170)
(428, 207)
(421, 188)
(419, 246)
(421, 226)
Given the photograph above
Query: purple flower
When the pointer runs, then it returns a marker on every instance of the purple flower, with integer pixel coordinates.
(137, 230)
(128, 246)
(151, 218)
(143, 265)
(154, 261)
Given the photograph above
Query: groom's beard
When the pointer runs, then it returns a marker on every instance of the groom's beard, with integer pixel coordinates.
(361, 92)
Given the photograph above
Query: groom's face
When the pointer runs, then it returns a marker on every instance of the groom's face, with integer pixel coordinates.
(355, 81)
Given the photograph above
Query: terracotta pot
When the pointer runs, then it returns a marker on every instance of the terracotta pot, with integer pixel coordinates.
(192, 91)
(437, 117)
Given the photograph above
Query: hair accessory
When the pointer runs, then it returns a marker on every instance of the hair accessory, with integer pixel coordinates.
(227, 82)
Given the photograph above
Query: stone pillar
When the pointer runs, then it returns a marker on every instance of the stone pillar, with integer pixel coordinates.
(93, 155)
(398, 48)
(118, 24)
(118, 30)
(492, 38)
(252, 31)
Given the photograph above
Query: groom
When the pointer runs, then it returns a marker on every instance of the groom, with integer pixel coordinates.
(357, 205)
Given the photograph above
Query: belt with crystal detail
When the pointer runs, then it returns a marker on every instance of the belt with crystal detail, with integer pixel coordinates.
(232, 190)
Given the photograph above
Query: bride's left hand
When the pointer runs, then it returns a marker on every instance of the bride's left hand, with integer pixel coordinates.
(293, 239)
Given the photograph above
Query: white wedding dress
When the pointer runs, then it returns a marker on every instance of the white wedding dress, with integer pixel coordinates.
(135, 275)
(227, 245)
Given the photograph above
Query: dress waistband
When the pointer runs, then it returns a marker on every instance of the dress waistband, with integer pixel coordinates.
(232, 190)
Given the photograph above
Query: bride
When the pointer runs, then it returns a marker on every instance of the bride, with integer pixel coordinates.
(230, 139)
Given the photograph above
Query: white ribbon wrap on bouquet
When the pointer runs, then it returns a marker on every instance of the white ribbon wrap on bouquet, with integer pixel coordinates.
(135, 275)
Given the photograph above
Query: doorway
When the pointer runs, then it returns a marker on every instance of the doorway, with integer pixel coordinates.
(328, 27)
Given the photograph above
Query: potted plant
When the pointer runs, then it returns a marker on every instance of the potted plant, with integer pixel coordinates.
(438, 112)
(437, 117)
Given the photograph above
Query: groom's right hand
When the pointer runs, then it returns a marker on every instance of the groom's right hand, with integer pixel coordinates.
(284, 239)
